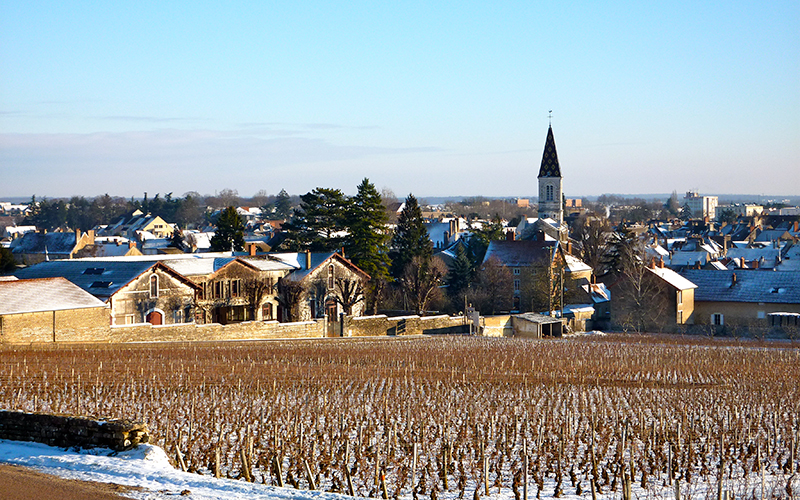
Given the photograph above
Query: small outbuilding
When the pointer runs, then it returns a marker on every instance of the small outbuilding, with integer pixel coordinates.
(38, 310)
(536, 326)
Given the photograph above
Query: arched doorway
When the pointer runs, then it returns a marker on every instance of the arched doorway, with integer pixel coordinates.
(155, 318)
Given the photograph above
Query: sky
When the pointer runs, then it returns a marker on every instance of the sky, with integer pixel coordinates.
(430, 98)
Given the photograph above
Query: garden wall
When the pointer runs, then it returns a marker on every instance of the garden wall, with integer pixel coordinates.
(68, 432)
(382, 325)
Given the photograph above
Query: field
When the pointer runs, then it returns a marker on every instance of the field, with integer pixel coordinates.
(610, 416)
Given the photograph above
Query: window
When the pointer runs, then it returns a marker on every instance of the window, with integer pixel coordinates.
(680, 297)
(549, 191)
(516, 271)
(236, 286)
(717, 319)
(760, 315)
(177, 316)
(330, 276)
(217, 289)
(101, 284)
(153, 286)
(516, 285)
(93, 270)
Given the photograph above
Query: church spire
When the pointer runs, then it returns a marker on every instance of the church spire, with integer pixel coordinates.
(550, 166)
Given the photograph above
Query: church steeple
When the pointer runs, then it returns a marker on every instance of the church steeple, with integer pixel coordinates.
(550, 166)
(550, 182)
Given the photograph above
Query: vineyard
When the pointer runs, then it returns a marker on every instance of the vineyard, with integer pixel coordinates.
(605, 417)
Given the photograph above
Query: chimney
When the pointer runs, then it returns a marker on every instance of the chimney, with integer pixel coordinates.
(594, 279)
(755, 264)
(130, 243)
(342, 252)
(661, 262)
(510, 236)
(308, 259)
(733, 280)
(117, 241)
(252, 249)
(77, 234)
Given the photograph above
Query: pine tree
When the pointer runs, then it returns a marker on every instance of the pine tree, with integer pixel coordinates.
(283, 205)
(459, 277)
(367, 242)
(318, 223)
(230, 232)
(410, 238)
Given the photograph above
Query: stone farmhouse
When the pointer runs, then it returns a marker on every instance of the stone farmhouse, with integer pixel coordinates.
(137, 291)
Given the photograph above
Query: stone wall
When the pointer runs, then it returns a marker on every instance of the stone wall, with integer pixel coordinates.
(381, 325)
(68, 432)
(249, 330)
(47, 326)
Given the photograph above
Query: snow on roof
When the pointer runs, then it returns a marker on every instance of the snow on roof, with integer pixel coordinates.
(719, 266)
(575, 264)
(673, 278)
(47, 294)
(753, 286)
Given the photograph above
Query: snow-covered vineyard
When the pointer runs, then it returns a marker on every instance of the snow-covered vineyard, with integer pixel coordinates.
(612, 417)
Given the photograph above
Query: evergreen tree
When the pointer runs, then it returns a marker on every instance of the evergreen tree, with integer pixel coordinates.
(367, 242)
(283, 205)
(230, 232)
(410, 238)
(319, 222)
(459, 277)
(479, 241)
(7, 261)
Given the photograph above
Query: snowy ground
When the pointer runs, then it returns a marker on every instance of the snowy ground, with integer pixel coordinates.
(148, 467)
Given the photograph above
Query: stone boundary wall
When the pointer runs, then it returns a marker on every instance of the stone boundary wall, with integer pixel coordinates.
(67, 432)
(251, 330)
(382, 325)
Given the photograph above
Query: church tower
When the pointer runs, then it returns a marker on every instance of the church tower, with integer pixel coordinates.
(550, 182)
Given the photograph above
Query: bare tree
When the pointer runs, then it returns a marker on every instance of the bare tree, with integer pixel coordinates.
(290, 293)
(421, 280)
(592, 234)
(639, 300)
(349, 292)
(494, 288)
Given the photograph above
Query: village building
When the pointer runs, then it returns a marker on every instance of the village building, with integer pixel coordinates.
(326, 285)
(137, 291)
(740, 299)
(36, 310)
(233, 289)
(34, 247)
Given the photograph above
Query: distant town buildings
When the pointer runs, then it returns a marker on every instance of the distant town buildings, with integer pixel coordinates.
(701, 206)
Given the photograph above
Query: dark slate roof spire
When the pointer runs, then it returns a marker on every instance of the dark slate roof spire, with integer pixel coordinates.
(550, 166)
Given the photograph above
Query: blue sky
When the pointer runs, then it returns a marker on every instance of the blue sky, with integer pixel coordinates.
(434, 98)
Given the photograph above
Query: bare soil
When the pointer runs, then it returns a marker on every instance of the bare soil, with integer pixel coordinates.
(21, 483)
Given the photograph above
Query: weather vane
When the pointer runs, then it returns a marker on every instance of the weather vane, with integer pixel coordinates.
(550, 117)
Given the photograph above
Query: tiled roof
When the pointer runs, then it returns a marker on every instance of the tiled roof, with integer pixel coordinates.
(673, 278)
(37, 295)
(550, 167)
(56, 243)
(100, 278)
(520, 253)
(773, 287)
